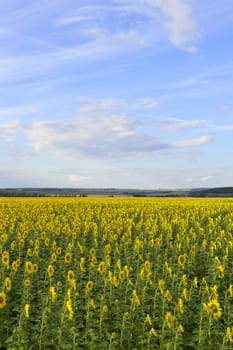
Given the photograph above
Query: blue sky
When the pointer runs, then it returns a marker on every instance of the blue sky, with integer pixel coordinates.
(116, 93)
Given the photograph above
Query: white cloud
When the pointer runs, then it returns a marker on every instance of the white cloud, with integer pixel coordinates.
(101, 135)
(223, 127)
(97, 135)
(102, 129)
(73, 19)
(179, 19)
(91, 104)
(206, 178)
(78, 178)
(202, 140)
(9, 129)
(18, 111)
(173, 123)
(147, 103)
(102, 104)
(180, 22)
(188, 179)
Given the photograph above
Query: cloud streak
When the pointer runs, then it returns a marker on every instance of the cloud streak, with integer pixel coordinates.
(93, 36)
(202, 140)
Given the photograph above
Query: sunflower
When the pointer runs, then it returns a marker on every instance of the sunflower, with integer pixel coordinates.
(180, 328)
(195, 282)
(230, 290)
(115, 281)
(92, 304)
(36, 250)
(71, 278)
(101, 267)
(13, 245)
(108, 248)
(58, 250)
(27, 282)
(136, 297)
(148, 319)
(35, 267)
(108, 260)
(54, 257)
(161, 285)
(2, 300)
(29, 252)
(5, 258)
(82, 264)
(122, 275)
(92, 251)
(168, 269)
(105, 308)
(29, 266)
(8, 284)
(50, 270)
(181, 306)
(26, 310)
(69, 309)
(229, 334)
(14, 266)
(70, 275)
(53, 295)
(89, 286)
(21, 242)
(147, 266)
(185, 294)
(221, 271)
(215, 308)
(169, 319)
(150, 278)
(59, 284)
(168, 295)
(182, 260)
(68, 258)
(185, 280)
(153, 332)
(94, 259)
(193, 250)
(4, 237)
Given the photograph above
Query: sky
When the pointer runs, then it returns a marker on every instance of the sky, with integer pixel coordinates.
(116, 93)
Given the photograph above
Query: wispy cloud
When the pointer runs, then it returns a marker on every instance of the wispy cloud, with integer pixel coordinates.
(202, 140)
(9, 129)
(179, 18)
(174, 123)
(91, 104)
(206, 178)
(18, 111)
(74, 179)
(197, 179)
(147, 103)
(93, 37)
(223, 127)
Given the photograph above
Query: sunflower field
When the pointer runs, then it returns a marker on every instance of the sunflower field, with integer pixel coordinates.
(116, 273)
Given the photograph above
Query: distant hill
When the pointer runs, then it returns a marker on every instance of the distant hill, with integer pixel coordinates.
(109, 192)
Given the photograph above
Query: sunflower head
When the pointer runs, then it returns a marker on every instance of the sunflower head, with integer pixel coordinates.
(2, 300)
